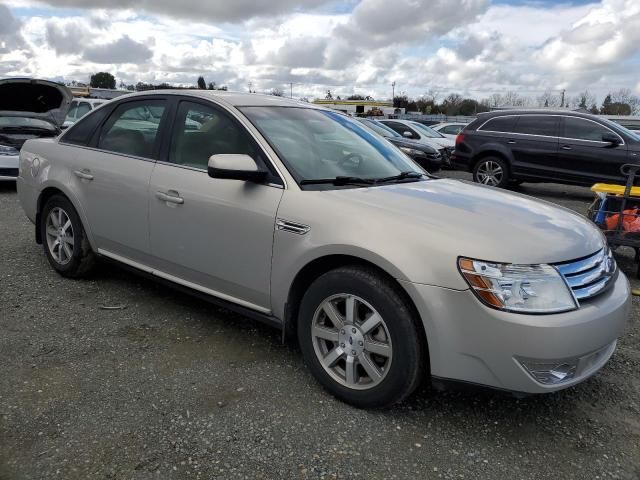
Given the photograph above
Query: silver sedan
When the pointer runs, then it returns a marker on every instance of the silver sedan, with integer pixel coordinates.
(300, 217)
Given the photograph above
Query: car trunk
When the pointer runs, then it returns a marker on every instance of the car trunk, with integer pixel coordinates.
(33, 98)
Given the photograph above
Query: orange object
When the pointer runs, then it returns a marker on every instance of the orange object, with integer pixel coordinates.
(630, 220)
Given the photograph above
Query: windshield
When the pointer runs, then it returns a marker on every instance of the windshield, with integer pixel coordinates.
(25, 122)
(428, 132)
(318, 144)
(380, 129)
(632, 134)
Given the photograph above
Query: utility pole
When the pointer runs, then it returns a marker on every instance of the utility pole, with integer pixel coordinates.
(250, 85)
(393, 93)
(562, 102)
(291, 89)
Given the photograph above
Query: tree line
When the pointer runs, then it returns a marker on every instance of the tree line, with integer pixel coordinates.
(620, 102)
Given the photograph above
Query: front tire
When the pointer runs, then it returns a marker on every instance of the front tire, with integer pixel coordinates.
(360, 338)
(64, 239)
(492, 171)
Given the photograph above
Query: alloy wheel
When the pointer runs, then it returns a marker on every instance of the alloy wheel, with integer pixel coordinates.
(351, 341)
(59, 234)
(490, 173)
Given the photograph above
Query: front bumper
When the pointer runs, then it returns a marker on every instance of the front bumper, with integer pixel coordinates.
(473, 343)
(8, 167)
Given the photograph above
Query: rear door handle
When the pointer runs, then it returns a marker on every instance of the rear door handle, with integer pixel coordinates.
(83, 174)
(566, 147)
(171, 196)
(511, 142)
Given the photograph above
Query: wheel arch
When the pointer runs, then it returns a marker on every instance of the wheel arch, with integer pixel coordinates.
(45, 194)
(323, 264)
(493, 151)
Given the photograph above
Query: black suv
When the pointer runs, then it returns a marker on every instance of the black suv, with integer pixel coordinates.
(517, 146)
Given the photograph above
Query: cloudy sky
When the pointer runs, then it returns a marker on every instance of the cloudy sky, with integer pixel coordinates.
(473, 47)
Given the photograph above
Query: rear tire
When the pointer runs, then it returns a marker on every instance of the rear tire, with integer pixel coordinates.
(492, 171)
(371, 358)
(64, 240)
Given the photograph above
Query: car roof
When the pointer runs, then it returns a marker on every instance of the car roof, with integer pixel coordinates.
(535, 111)
(235, 99)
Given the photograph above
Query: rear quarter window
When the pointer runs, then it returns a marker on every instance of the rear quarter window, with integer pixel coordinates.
(500, 124)
(80, 133)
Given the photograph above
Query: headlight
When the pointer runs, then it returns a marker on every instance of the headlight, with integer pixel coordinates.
(412, 151)
(518, 288)
(7, 150)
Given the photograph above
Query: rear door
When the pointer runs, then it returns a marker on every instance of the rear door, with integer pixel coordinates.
(585, 157)
(111, 176)
(534, 145)
(215, 235)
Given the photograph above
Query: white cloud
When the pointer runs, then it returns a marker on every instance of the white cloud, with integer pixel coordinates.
(468, 46)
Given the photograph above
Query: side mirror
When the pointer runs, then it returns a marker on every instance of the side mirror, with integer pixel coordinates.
(235, 167)
(611, 138)
(407, 134)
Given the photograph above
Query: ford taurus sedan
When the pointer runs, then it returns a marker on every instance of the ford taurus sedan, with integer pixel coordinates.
(303, 218)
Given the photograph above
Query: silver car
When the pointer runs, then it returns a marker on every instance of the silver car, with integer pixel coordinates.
(301, 217)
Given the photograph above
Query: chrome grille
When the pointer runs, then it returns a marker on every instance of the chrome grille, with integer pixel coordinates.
(589, 276)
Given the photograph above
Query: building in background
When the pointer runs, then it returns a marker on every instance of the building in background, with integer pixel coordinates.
(364, 108)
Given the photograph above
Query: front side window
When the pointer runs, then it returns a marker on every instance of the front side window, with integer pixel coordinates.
(80, 133)
(580, 129)
(401, 128)
(318, 144)
(545, 125)
(132, 128)
(201, 131)
(505, 124)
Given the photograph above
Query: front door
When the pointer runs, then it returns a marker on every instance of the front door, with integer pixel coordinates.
(112, 178)
(213, 235)
(585, 157)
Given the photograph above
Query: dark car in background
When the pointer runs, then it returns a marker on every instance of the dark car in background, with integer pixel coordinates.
(561, 146)
(426, 156)
(29, 108)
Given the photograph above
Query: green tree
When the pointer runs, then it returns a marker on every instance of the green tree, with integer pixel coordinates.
(103, 80)
(202, 85)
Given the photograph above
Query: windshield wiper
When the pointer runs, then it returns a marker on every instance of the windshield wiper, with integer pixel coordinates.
(339, 180)
(344, 180)
(29, 128)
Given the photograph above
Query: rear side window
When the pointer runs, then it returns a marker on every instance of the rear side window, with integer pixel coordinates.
(581, 129)
(545, 125)
(80, 133)
(500, 124)
(451, 129)
(83, 109)
(132, 128)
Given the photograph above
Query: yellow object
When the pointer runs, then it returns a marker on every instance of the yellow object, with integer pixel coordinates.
(636, 292)
(614, 189)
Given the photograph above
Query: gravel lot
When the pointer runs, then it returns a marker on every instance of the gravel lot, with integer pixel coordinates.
(170, 387)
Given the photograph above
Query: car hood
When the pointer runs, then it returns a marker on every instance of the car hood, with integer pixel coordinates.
(452, 218)
(28, 97)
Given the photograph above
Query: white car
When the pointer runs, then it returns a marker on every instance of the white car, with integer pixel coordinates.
(79, 108)
(29, 108)
(423, 134)
(449, 129)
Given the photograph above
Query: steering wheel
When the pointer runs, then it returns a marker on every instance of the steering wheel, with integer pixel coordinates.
(350, 162)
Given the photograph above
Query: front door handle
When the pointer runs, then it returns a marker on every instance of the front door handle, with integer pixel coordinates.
(83, 174)
(566, 147)
(171, 196)
(511, 141)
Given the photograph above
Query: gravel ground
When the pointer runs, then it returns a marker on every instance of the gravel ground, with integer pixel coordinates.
(170, 387)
